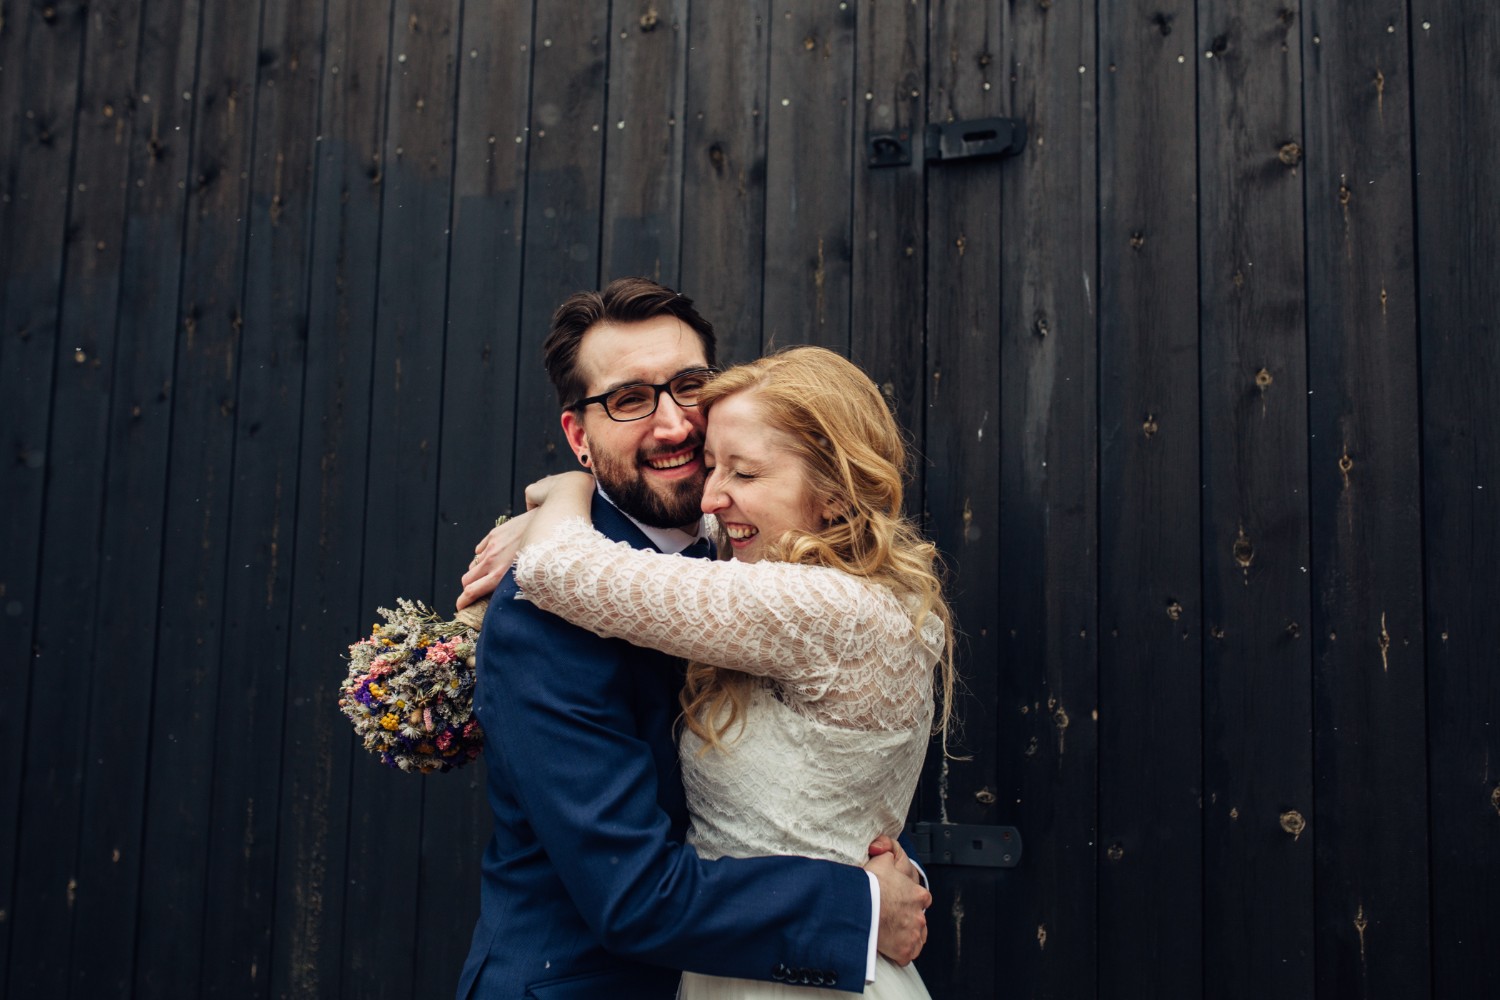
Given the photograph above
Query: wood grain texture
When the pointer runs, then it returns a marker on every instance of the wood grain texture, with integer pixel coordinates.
(724, 171)
(405, 422)
(51, 414)
(564, 192)
(238, 929)
(1150, 604)
(1048, 701)
(963, 479)
(1372, 934)
(1456, 116)
(199, 501)
(313, 866)
(1259, 826)
(809, 154)
(889, 250)
(134, 491)
(643, 123)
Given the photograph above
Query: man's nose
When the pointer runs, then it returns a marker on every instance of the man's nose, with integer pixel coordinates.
(670, 421)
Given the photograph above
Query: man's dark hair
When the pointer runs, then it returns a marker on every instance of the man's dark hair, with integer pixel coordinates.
(625, 300)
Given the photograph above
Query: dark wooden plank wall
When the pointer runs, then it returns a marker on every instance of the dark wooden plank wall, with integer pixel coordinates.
(1202, 386)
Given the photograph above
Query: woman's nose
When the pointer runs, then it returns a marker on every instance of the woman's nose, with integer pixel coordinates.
(714, 499)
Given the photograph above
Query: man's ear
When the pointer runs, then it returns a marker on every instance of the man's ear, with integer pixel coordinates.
(572, 425)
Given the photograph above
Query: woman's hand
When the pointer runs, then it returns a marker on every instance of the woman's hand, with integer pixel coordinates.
(571, 494)
(492, 559)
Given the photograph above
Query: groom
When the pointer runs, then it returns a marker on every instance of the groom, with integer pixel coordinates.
(588, 889)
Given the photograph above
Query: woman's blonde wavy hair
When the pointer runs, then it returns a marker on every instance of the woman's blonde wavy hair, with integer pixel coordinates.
(855, 458)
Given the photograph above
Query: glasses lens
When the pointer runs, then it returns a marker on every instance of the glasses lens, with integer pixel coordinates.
(686, 387)
(631, 402)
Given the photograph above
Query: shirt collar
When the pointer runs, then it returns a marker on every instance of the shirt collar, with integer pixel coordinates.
(668, 540)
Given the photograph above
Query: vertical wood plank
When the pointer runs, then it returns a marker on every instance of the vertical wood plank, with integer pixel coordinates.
(72, 546)
(240, 878)
(40, 62)
(1258, 847)
(809, 152)
(643, 141)
(479, 398)
(329, 611)
(963, 476)
(406, 411)
(1369, 700)
(1456, 102)
(198, 504)
(563, 203)
(889, 251)
(131, 537)
(1150, 778)
(724, 171)
(1047, 728)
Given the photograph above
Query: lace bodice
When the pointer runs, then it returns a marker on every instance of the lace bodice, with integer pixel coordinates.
(835, 734)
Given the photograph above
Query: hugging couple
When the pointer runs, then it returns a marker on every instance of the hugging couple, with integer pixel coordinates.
(725, 829)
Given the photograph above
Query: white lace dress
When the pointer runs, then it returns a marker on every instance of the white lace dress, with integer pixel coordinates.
(834, 736)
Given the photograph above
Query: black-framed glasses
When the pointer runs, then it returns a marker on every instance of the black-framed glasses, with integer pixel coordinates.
(638, 400)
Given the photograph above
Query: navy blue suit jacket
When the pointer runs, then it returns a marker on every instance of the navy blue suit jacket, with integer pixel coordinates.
(587, 887)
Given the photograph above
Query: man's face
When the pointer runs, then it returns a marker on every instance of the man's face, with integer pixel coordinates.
(652, 467)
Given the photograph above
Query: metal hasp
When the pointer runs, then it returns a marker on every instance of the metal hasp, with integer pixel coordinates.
(976, 137)
(966, 844)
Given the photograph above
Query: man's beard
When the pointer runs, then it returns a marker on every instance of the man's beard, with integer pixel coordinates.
(672, 505)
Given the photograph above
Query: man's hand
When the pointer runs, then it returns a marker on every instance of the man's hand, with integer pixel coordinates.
(492, 559)
(903, 902)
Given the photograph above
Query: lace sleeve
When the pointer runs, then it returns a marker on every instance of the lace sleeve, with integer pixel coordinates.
(826, 637)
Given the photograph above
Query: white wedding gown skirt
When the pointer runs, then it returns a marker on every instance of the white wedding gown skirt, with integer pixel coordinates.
(892, 982)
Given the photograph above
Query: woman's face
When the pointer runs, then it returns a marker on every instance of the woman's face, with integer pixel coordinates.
(757, 484)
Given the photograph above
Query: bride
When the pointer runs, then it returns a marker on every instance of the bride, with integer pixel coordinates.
(809, 698)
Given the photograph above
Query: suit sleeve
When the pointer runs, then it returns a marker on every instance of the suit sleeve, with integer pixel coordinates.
(563, 708)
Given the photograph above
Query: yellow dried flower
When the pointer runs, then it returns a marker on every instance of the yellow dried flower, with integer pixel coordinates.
(390, 722)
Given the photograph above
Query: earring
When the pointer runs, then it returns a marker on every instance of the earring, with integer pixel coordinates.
(584, 458)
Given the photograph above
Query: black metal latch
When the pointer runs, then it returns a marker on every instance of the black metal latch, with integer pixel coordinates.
(975, 137)
(966, 844)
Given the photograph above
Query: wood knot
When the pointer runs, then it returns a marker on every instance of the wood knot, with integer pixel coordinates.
(1163, 22)
(1263, 379)
(1137, 240)
(650, 19)
(1042, 327)
(1149, 427)
(1174, 610)
(1294, 630)
(1345, 464)
(1495, 798)
(809, 43)
(716, 156)
(1244, 552)
(985, 796)
(1345, 195)
(1290, 154)
(1115, 852)
(1293, 823)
